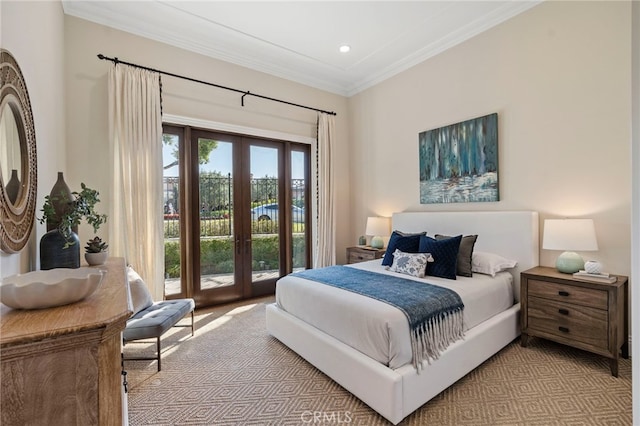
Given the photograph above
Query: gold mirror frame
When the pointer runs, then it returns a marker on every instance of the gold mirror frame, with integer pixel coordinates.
(18, 216)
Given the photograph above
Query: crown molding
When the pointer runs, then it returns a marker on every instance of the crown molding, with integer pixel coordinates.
(308, 71)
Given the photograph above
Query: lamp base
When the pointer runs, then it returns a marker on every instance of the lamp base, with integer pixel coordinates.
(569, 262)
(377, 242)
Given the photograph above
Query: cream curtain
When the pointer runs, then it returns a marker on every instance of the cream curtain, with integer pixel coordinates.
(135, 220)
(325, 253)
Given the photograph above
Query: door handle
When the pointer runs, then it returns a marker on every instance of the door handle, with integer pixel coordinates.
(246, 246)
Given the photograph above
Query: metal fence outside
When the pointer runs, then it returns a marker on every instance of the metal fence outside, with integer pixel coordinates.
(216, 205)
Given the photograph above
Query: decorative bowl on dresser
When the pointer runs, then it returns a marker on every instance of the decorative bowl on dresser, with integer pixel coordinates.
(50, 288)
(588, 315)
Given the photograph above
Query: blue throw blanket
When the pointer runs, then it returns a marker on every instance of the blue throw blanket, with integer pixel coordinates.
(435, 314)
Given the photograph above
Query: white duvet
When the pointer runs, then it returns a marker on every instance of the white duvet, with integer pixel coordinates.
(375, 328)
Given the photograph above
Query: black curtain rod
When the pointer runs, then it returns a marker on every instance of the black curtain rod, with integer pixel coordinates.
(244, 93)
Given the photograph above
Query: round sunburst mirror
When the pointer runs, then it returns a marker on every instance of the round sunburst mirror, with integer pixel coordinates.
(18, 163)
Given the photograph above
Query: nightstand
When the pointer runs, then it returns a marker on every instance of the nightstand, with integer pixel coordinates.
(587, 315)
(363, 253)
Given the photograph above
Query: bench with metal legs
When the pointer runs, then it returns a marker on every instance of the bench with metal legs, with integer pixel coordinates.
(154, 321)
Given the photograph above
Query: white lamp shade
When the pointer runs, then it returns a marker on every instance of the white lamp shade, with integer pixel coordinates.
(378, 226)
(569, 234)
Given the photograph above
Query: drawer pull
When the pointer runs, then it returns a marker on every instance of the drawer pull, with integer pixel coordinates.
(563, 311)
(563, 329)
(563, 293)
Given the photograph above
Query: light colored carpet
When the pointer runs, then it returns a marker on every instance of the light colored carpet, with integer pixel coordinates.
(234, 373)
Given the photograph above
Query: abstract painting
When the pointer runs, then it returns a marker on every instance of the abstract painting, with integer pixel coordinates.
(459, 162)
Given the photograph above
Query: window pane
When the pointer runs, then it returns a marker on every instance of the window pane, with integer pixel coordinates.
(299, 228)
(217, 254)
(265, 213)
(171, 193)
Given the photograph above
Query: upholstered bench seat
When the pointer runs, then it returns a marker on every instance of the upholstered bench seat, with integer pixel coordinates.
(152, 319)
(157, 318)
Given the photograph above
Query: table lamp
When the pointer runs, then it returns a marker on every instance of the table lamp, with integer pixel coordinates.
(569, 235)
(378, 227)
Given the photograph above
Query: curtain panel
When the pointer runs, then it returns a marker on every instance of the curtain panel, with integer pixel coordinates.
(136, 230)
(325, 253)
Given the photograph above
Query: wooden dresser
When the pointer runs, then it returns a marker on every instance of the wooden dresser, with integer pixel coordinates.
(363, 253)
(63, 365)
(588, 315)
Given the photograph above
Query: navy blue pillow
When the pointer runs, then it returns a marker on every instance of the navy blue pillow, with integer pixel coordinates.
(444, 253)
(408, 243)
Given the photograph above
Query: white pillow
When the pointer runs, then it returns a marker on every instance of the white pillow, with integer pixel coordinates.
(140, 296)
(490, 263)
(414, 264)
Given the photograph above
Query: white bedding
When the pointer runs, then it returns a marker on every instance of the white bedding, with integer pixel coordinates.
(375, 328)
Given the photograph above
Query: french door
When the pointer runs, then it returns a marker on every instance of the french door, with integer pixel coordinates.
(236, 213)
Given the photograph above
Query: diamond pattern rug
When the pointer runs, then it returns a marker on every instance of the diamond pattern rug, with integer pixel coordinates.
(232, 372)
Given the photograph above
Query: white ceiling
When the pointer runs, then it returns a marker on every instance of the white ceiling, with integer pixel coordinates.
(299, 40)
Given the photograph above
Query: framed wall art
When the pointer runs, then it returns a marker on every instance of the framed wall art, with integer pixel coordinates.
(459, 162)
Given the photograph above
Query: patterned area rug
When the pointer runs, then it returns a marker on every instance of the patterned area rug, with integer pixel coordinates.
(234, 373)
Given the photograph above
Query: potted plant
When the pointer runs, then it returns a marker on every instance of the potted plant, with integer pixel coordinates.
(60, 247)
(96, 251)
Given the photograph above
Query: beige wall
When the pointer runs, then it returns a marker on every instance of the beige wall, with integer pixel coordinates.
(559, 78)
(87, 147)
(33, 32)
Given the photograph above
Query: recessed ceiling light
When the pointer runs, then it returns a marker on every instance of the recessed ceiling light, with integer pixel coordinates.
(345, 48)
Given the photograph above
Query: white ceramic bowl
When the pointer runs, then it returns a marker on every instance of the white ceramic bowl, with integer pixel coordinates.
(46, 289)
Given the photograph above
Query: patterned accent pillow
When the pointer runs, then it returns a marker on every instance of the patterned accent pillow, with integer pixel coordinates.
(408, 243)
(465, 253)
(445, 255)
(414, 264)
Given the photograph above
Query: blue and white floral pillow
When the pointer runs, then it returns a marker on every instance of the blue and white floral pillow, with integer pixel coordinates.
(414, 264)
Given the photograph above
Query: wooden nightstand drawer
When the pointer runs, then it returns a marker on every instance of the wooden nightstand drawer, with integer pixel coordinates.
(362, 254)
(575, 322)
(569, 293)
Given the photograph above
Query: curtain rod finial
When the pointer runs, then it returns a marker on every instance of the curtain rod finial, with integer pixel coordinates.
(100, 56)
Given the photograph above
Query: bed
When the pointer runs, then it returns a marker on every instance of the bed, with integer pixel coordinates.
(385, 378)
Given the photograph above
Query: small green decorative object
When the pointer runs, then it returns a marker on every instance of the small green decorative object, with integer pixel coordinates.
(96, 251)
(96, 245)
(377, 242)
(569, 262)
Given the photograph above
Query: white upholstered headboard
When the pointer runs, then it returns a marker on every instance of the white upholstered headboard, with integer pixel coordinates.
(512, 234)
